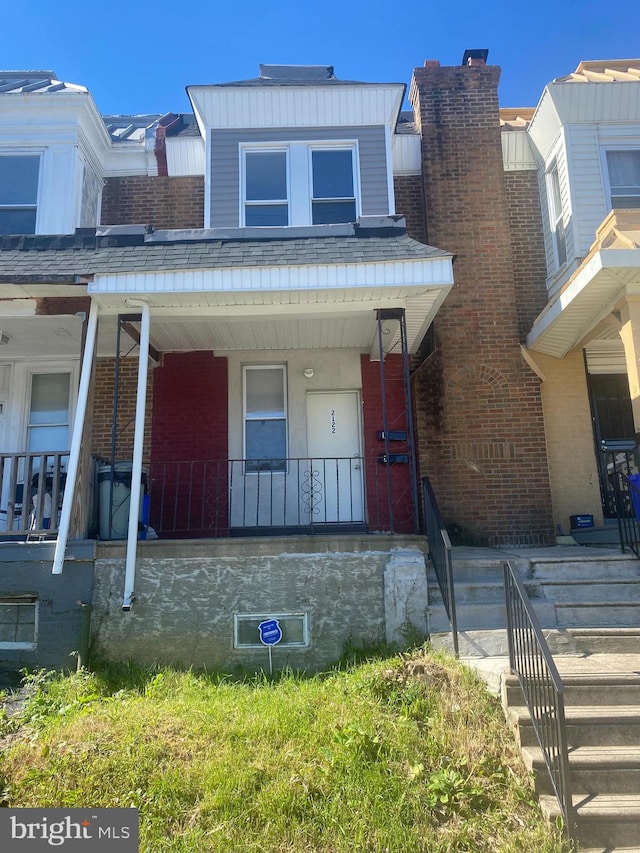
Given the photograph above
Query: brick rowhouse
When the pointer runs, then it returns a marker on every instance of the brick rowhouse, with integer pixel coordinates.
(478, 405)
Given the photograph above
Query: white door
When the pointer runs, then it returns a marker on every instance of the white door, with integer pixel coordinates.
(334, 492)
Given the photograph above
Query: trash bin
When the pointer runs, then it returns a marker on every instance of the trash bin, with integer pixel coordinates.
(634, 491)
(113, 517)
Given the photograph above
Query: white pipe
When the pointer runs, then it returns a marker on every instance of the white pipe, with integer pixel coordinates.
(76, 440)
(136, 471)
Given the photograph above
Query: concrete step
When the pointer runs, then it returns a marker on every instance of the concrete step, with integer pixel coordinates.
(486, 615)
(592, 568)
(492, 643)
(594, 769)
(586, 690)
(588, 614)
(606, 640)
(604, 725)
(595, 592)
(605, 820)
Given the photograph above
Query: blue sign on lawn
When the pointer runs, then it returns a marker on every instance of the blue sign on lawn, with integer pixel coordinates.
(270, 632)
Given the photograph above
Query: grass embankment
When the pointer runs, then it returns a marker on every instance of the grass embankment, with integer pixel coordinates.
(389, 755)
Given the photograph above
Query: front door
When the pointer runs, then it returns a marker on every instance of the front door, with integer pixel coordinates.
(335, 492)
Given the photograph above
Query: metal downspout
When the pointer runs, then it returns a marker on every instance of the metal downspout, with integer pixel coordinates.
(76, 441)
(408, 401)
(136, 472)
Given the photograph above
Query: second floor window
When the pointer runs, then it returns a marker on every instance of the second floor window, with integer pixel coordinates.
(18, 193)
(624, 178)
(555, 214)
(300, 183)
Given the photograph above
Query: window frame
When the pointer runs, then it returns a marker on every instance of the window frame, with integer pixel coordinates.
(312, 149)
(34, 155)
(299, 614)
(606, 150)
(299, 176)
(53, 370)
(265, 202)
(556, 213)
(22, 601)
(246, 417)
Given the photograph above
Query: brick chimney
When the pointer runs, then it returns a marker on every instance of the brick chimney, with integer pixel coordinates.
(478, 405)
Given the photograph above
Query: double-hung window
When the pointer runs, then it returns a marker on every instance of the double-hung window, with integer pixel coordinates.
(49, 412)
(19, 175)
(266, 188)
(624, 178)
(555, 214)
(299, 183)
(265, 418)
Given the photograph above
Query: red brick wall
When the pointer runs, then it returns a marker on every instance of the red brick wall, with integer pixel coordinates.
(478, 405)
(527, 246)
(376, 474)
(410, 203)
(189, 446)
(164, 202)
(101, 427)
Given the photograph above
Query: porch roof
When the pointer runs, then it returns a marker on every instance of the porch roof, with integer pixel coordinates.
(129, 249)
(607, 275)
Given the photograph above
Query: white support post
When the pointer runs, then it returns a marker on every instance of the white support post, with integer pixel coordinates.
(76, 441)
(136, 471)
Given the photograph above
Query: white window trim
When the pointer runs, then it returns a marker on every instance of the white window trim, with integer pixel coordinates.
(299, 174)
(262, 616)
(606, 181)
(15, 601)
(243, 183)
(48, 367)
(26, 152)
(556, 216)
(355, 171)
(283, 368)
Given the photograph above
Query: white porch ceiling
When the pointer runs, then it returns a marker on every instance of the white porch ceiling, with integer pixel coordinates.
(586, 300)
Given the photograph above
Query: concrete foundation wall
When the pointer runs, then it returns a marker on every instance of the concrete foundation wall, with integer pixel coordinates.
(26, 570)
(186, 596)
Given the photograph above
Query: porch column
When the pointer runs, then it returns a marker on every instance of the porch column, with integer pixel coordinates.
(136, 471)
(630, 334)
(76, 440)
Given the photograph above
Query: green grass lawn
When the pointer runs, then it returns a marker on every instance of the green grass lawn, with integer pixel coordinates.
(389, 755)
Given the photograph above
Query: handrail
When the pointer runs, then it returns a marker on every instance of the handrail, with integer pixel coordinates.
(30, 503)
(531, 660)
(440, 553)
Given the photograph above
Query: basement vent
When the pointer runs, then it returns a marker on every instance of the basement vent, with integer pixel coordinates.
(294, 627)
(18, 622)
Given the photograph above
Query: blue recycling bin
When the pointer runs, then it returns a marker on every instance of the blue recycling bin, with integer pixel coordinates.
(634, 490)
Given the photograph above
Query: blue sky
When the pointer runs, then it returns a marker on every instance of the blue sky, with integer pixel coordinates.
(138, 57)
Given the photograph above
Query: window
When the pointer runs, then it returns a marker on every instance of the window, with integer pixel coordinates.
(624, 178)
(300, 184)
(333, 195)
(48, 421)
(265, 418)
(18, 622)
(266, 188)
(294, 627)
(555, 214)
(18, 193)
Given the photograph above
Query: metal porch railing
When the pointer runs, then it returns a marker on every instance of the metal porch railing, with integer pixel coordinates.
(214, 498)
(31, 490)
(623, 484)
(531, 660)
(440, 553)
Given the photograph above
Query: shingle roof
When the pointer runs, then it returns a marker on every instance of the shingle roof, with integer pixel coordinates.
(515, 118)
(64, 258)
(604, 71)
(40, 82)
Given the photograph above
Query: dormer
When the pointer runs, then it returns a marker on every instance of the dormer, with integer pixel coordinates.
(52, 144)
(296, 147)
(586, 137)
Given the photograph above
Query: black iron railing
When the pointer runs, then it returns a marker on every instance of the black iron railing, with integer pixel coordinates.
(623, 486)
(440, 553)
(31, 490)
(213, 498)
(531, 660)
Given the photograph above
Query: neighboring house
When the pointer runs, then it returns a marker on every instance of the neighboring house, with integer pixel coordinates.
(222, 321)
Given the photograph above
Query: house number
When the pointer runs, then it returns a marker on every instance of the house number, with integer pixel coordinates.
(333, 421)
